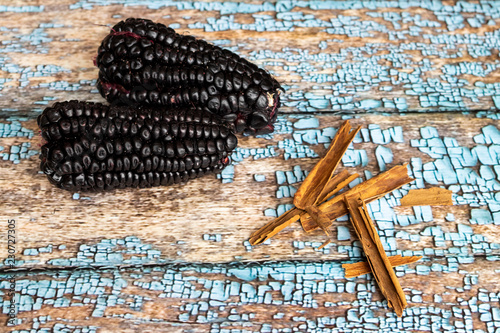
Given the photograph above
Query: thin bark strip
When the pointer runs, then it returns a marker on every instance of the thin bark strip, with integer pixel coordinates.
(363, 267)
(325, 243)
(311, 188)
(320, 218)
(335, 184)
(275, 226)
(435, 196)
(314, 185)
(369, 190)
(372, 246)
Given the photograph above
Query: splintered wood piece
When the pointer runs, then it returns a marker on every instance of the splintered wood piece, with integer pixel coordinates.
(279, 223)
(434, 196)
(320, 218)
(370, 190)
(325, 243)
(336, 184)
(363, 267)
(275, 226)
(311, 188)
(377, 259)
(314, 185)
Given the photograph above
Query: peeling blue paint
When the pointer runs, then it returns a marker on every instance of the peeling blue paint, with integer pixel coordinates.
(218, 297)
(210, 292)
(345, 82)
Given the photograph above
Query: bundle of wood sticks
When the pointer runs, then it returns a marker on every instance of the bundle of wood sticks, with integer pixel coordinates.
(314, 210)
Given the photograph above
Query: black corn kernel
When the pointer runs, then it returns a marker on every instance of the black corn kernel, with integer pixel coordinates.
(157, 147)
(145, 63)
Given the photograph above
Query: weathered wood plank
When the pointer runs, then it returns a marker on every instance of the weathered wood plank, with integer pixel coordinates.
(331, 56)
(175, 220)
(303, 296)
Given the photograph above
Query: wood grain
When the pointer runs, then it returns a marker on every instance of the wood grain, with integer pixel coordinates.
(420, 66)
(157, 313)
(363, 267)
(78, 32)
(162, 216)
(432, 196)
(373, 248)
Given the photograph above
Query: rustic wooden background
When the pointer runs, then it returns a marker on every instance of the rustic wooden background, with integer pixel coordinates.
(176, 259)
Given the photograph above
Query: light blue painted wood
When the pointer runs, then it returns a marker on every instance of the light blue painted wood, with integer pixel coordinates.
(353, 72)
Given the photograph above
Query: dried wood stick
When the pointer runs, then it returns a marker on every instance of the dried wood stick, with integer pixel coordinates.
(363, 267)
(320, 218)
(336, 184)
(325, 243)
(375, 254)
(311, 188)
(281, 222)
(275, 226)
(369, 190)
(329, 190)
(435, 196)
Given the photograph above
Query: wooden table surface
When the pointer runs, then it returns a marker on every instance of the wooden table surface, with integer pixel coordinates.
(423, 81)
